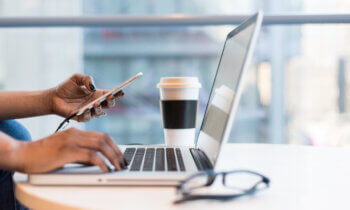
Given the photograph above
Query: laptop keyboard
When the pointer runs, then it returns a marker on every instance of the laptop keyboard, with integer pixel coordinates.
(154, 159)
(136, 164)
(129, 154)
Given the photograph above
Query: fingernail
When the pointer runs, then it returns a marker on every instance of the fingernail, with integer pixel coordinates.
(92, 86)
(100, 115)
(121, 164)
(98, 109)
(112, 102)
(87, 116)
(126, 163)
(119, 94)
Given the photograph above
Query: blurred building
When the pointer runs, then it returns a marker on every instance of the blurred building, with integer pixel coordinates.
(297, 90)
(112, 55)
(39, 58)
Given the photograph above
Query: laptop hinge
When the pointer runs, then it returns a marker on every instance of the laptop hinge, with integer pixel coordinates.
(201, 160)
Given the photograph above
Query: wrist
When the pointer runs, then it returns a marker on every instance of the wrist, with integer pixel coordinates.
(47, 98)
(16, 156)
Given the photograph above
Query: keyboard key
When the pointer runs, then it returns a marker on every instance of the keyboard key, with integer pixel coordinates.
(136, 164)
(148, 163)
(129, 154)
(170, 156)
(160, 166)
(180, 159)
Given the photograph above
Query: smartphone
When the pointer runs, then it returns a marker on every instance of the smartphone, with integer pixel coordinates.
(111, 92)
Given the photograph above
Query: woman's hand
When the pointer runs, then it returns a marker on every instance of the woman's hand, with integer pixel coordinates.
(69, 146)
(76, 92)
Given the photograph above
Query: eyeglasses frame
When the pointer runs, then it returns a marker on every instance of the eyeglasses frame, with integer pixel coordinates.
(212, 176)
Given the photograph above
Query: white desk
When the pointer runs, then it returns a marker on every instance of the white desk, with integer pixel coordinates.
(302, 177)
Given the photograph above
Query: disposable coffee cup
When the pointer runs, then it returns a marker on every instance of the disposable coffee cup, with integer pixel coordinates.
(179, 105)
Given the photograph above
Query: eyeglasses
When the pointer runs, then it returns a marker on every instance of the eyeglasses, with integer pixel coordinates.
(236, 184)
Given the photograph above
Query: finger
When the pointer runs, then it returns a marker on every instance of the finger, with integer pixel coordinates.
(103, 113)
(85, 163)
(115, 147)
(119, 94)
(85, 117)
(97, 109)
(110, 102)
(91, 157)
(97, 141)
(84, 80)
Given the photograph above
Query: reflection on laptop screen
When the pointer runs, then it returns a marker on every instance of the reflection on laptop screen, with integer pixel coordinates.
(224, 88)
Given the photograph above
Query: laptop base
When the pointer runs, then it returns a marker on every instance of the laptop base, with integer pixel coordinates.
(77, 174)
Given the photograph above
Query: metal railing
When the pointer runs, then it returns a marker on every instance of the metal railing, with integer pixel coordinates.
(167, 20)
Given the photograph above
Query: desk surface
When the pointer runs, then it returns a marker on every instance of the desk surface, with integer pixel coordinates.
(302, 177)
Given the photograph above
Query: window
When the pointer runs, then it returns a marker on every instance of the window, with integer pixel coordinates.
(296, 91)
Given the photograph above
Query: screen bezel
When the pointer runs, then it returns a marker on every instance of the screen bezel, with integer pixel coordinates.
(257, 19)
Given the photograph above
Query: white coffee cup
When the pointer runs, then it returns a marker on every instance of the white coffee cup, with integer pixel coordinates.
(179, 104)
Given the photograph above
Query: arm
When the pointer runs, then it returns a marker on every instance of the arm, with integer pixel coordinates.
(20, 104)
(53, 152)
(68, 146)
(62, 100)
(7, 145)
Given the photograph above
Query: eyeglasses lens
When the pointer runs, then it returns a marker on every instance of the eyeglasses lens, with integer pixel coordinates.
(242, 181)
(195, 182)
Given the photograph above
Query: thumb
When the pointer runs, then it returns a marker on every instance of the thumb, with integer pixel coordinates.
(84, 80)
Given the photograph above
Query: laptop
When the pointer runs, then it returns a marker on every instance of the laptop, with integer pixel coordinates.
(167, 165)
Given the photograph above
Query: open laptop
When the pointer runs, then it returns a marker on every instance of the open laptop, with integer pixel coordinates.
(164, 165)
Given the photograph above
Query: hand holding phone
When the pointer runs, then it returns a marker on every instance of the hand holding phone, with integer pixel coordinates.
(111, 92)
(100, 99)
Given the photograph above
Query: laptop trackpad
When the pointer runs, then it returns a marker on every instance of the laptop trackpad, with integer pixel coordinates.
(74, 168)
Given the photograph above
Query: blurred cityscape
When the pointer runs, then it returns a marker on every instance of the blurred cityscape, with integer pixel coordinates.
(296, 91)
(112, 55)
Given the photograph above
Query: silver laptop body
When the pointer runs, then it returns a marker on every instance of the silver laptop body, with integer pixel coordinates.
(164, 165)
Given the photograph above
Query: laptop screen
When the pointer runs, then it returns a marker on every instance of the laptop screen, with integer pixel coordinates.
(225, 90)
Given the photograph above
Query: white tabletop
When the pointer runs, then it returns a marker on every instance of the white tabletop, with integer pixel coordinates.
(302, 177)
